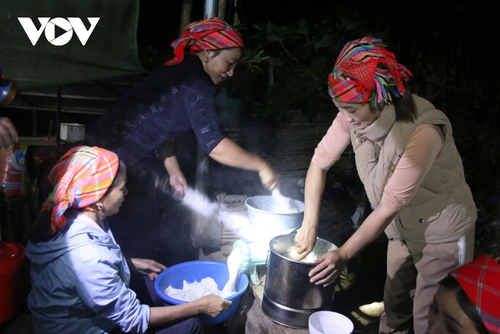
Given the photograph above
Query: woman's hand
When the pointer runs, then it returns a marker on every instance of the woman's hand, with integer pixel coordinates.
(328, 267)
(269, 177)
(213, 305)
(305, 241)
(147, 267)
(8, 133)
(179, 185)
(231, 154)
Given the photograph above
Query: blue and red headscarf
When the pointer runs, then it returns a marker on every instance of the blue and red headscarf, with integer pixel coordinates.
(366, 72)
(208, 34)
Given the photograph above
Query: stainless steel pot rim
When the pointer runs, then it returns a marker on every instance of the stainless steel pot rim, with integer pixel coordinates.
(301, 210)
(304, 263)
(289, 235)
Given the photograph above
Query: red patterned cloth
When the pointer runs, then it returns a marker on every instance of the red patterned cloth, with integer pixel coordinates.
(480, 279)
(80, 178)
(365, 71)
(208, 34)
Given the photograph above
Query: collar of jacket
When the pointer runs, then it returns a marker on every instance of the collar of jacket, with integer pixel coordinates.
(379, 129)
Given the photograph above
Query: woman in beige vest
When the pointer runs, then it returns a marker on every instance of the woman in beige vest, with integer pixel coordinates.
(413, 175)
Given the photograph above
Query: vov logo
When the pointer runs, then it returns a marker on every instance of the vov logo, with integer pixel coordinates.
(66, 25)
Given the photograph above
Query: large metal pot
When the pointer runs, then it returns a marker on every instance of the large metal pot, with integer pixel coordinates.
(289, 297)
(266, 213)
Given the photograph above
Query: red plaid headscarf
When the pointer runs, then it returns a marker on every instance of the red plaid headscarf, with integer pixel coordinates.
(358, 78)
(480, 280)
(80, 178)
(208, 34)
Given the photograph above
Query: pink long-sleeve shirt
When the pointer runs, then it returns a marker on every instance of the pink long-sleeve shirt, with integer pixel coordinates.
(422, 148)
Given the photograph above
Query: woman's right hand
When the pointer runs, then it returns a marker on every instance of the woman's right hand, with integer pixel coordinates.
(328, 267)
(305, 239)
(213, 305)
(269, 177)
(179, 185)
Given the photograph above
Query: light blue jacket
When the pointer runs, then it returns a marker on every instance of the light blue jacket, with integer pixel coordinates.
(80, 283)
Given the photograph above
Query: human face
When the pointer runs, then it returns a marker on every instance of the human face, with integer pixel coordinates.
(114, 200)
(220, 66)
(446, 315)
(357, 114)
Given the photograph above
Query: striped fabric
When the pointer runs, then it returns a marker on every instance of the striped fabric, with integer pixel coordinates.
(80, 178)
(480, 279)
(366, 72)
(208, 34)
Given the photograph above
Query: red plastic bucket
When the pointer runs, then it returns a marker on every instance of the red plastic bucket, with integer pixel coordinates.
(12, 260)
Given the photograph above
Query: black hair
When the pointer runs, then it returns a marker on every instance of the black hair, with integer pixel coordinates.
(465, 303)
(217, 52)
(406, 110)
(40, 231)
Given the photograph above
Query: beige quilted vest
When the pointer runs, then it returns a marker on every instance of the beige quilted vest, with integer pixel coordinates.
(442, 209)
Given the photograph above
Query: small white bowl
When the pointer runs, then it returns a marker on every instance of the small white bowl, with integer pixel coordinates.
(328, 322)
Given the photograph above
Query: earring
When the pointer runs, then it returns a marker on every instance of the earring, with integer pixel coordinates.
(99, 207)
(206, 60)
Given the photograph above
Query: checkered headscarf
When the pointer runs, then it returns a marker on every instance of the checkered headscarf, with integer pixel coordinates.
(208, 34)
(357, 76)
(80, 178)
(480, 280)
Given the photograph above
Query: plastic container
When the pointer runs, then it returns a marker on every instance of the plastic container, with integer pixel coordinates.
(328, 322)
(72, 132)
(12, 260)
(195, 271)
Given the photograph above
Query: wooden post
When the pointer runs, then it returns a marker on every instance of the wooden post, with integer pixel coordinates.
(222, 9)
(187, 8)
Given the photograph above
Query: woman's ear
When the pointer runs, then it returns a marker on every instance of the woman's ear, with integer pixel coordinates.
(208, 55)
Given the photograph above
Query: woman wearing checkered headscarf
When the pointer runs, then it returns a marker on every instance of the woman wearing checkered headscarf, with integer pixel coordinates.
(468, 299)
(149, 122)
(413, 177)
(80, 180)
(210, 34)
(215, 42)
(80, 278)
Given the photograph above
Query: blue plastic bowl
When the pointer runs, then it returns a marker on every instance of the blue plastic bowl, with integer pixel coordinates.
(195, 271)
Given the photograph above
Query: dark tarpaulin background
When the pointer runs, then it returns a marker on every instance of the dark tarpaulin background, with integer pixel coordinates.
(111, 50)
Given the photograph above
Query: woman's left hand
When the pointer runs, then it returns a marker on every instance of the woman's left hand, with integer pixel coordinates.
(328, 267)
(148, 267)
(8, 133)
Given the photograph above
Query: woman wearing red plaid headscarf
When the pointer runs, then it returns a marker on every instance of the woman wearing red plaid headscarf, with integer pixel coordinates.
(413, 177)
(80, 278)
(468, 299)
(176, 98)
